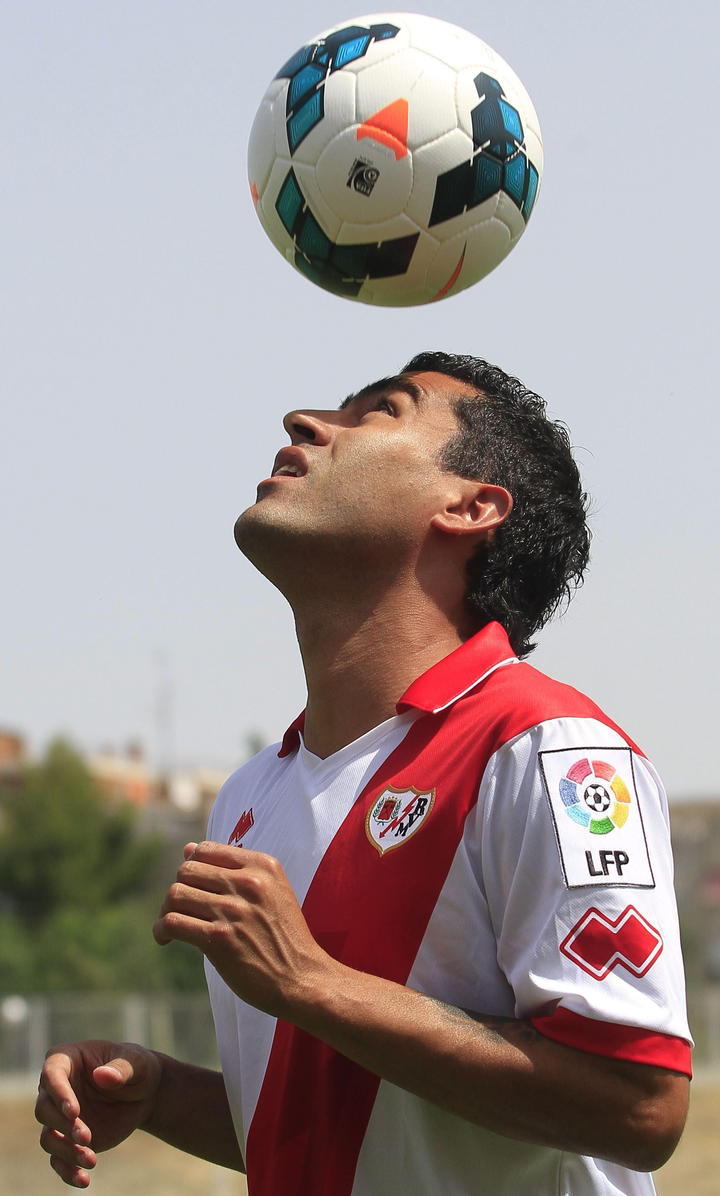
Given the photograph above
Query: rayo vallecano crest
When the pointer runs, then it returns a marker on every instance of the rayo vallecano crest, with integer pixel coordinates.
(397, 815)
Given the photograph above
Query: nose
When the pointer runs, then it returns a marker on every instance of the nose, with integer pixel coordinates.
(309, 427)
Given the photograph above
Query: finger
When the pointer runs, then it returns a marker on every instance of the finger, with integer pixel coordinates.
(52, 1118)
(115, 1075)
(208, 877)
(198, 903)
(47, 1113)
(55, 1081)
(58, 1146)
(177, 927)
(189, 850)
(77, 1177)
(224, 856)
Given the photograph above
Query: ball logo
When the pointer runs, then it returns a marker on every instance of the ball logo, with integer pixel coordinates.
(363, 176)
(595, 796)
(397, 815)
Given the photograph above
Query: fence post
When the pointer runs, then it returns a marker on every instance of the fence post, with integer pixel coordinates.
(135, 1019)
(38, 1037)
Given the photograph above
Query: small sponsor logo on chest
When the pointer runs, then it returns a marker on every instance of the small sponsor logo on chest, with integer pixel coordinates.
(241, 828)
(397, 815)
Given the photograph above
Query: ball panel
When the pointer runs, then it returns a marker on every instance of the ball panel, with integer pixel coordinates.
(261, 147)
(452, 151)
(362, 181)
(432, 102)
(477, 250)
(449, 43)
(391, 79)
(335, 110)
(511, 217)
(325, 213)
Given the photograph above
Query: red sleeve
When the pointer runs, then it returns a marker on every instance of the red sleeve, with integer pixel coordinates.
(615, 1041)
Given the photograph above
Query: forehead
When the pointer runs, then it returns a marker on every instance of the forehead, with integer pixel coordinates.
(430, 390)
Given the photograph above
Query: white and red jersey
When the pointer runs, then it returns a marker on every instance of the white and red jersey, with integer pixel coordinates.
(499, 844)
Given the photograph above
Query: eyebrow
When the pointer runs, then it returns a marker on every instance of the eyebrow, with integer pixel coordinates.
(396, 382)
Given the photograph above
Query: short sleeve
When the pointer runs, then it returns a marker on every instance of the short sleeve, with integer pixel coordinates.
(577, 867)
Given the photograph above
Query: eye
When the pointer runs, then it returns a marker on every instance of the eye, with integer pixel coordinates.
(383, 404)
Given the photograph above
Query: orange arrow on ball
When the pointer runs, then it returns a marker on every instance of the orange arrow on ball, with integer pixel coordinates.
(389, 126)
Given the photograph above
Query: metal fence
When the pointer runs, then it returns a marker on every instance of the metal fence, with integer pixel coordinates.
(178, 1025)
(182, 1026)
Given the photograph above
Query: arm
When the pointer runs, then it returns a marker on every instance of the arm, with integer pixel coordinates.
(237, 907)
(499, 1073)
(202, 1125)
(92, 1095)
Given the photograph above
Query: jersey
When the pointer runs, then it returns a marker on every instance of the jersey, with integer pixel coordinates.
(499, 844)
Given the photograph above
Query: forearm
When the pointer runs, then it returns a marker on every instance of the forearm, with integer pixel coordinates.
(191, 1112)
(498, 1073)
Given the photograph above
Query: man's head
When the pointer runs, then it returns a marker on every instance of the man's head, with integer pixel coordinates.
(531, 564)
(413, 480)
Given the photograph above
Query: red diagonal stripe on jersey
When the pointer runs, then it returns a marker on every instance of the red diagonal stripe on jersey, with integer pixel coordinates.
(598, 943)
(314, 1105)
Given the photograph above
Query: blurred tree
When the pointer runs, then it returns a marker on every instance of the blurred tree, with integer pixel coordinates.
(78, 889)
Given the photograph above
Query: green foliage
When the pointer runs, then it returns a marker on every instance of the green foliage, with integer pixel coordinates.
(78, 890)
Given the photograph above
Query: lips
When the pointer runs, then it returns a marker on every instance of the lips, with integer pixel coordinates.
(290, 462)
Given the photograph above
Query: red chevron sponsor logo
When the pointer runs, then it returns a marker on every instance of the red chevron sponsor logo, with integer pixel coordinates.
(241, 828)
(599, 944)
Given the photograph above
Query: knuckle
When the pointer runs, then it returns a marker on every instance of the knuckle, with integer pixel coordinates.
(253, 886)
(220, 932)
(272, 865)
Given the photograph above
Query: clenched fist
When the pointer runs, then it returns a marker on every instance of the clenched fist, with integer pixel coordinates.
(237, 907)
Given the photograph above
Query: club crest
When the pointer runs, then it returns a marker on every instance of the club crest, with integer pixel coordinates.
(397, 815)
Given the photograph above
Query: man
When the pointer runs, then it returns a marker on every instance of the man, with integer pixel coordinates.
(441, 940)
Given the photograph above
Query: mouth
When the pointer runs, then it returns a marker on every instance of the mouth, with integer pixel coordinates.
(290, 462)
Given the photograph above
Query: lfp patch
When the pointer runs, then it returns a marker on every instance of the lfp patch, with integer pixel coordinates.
(598, 821)
(397, 815)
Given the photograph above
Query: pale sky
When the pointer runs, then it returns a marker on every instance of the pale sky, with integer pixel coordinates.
(153, 339)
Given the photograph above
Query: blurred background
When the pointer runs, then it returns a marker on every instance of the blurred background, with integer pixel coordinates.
(152, 339)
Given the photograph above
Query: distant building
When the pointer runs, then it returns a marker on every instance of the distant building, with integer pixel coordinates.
(123, 778)
(128, 777)
(13, 756)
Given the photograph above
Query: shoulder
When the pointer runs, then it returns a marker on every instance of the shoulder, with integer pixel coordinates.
(519, 698)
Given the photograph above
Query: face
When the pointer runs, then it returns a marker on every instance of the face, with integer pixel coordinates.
(366, 475)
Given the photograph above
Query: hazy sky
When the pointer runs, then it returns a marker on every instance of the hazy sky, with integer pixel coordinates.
(153, 338)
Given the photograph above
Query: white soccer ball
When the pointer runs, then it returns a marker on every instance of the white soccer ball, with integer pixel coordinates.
(395, 159)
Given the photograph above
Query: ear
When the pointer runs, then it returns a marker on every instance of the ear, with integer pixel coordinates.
(480, 507)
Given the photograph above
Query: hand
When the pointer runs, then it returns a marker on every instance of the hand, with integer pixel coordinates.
(91, 1096)
(237, 907)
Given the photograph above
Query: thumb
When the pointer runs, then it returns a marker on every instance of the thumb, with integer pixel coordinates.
(121, 1077)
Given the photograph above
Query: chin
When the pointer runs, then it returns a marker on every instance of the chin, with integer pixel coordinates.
(264, 537)
(246, 526)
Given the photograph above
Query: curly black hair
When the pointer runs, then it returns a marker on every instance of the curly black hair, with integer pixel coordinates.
(537, 558)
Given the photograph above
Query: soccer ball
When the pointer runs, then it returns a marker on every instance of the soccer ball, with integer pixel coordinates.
(395, 159)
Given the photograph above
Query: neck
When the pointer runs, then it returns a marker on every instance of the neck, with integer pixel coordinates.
(359, 663)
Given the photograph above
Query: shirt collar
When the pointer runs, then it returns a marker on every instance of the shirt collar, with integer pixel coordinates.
(443, 683)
